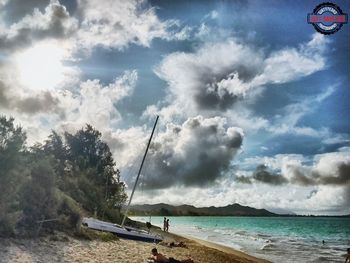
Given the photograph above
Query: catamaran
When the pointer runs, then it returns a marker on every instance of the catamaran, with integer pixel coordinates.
(122, 230)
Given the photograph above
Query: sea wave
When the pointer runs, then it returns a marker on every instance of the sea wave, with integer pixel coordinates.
(268, 246)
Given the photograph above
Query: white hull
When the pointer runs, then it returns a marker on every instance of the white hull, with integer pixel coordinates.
(123, 232)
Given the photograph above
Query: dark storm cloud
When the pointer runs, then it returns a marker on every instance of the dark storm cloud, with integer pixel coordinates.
(261, 174)
(197, 153)
(343, 176)
(301, 178)
(210, 99)
(340, 176)
(332, 169)
(208, 95)
(53, 22)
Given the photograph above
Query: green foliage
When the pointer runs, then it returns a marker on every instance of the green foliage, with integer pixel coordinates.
(99, 188)
(12, 172)
(38, 200)
(69, 212)
(58, 179)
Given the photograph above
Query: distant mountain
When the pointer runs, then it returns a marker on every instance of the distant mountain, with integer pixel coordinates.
(189, 210)
(281, 211)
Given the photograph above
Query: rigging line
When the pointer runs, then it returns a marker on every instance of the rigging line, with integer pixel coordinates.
(139, 172)
(147, 165)
(125, 176)
(131, 169)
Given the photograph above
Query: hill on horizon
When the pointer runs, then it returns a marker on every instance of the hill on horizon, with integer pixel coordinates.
(162, 209)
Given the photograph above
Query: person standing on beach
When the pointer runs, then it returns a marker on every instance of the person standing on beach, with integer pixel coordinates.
(167, 225)
(164, 224)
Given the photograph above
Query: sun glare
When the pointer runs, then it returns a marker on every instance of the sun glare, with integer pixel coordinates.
(40, 67)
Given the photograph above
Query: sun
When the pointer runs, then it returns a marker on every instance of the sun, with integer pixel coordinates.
(40, 67)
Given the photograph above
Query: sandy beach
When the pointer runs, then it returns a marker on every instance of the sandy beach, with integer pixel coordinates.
(63, 248)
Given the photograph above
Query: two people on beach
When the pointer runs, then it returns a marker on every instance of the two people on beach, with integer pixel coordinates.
(166, 225)
(159, 258)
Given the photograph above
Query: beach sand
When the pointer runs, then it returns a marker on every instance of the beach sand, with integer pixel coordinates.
(63, 248)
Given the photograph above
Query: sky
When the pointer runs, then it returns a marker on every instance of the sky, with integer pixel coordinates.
(253, 102)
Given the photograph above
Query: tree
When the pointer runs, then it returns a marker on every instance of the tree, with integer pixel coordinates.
(12, 172)
(93, 158)
(55, 147)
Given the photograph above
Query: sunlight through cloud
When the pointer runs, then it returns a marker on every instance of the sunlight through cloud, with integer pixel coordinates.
(40, 67)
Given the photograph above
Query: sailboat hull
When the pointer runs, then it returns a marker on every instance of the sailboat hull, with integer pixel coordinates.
(122, 232)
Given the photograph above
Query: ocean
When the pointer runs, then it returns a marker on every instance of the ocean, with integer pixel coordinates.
(278, 239)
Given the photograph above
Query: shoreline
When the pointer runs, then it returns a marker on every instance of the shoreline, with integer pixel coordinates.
(233, 254)
(228, 250)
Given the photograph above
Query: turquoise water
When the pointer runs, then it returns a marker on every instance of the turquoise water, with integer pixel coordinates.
(281, 239)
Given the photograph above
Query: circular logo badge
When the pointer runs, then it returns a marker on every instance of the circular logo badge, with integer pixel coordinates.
(327, 18)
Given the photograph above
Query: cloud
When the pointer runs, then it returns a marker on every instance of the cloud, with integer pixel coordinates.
(44, 102)
(96, 104)
(261, 174)
(15, 10)
(116, 24)
(218, 75)
(3, 97)
(54, 22)
(67, 110)
(292, 63)
(213, 77)
(288, 121)
(332, 169)
(107, 24)
(18, 96)
(324, 199)
(318, 200)
(321, 197)
(196, 153)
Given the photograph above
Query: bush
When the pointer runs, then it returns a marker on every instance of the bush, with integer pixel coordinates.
(38, 200)
(8, 224)
(90, 234)
(69, 212)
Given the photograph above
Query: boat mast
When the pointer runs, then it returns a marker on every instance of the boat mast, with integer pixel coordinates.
(138, 174)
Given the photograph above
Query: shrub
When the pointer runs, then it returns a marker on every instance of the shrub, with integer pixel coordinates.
(37, 197)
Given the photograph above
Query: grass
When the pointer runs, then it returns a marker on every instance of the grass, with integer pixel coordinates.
(89, 234)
